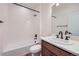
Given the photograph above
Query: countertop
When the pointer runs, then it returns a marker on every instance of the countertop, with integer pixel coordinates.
(73, 48)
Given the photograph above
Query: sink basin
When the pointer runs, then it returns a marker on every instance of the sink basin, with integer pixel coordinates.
(51, 37)
(60, 41)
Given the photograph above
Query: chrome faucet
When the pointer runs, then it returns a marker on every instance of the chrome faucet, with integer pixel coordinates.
(66, 32)
(67, 36)
(60, 32)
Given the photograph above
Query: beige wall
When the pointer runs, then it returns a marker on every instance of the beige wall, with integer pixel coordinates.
(45, 23)
(20, 26)
(3, 26)
(22, 23)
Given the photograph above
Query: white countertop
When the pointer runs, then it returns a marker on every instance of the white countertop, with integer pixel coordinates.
(73, 48)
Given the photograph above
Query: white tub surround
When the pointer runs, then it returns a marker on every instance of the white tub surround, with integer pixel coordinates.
(72, 48)
(19, 48)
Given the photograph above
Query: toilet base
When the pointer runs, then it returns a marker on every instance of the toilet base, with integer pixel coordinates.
(36, 54)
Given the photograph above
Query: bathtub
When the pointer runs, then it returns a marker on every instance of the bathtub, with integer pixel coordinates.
(18, 49)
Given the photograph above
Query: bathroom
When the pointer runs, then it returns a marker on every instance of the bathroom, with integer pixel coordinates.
(24, 26)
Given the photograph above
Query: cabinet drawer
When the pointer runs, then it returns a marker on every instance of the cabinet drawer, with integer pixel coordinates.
(56, 50)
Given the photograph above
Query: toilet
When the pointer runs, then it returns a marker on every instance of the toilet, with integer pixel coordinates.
(35, 50)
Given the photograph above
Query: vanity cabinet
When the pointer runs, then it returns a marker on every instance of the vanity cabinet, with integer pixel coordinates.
(52, 50)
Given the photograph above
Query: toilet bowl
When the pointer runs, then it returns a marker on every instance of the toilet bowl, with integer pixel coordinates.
(35, 50)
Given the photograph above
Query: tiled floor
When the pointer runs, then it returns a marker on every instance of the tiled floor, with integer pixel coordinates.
(29, 54)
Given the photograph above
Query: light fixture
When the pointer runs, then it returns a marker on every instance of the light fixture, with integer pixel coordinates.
(57, 4)
(52, 4)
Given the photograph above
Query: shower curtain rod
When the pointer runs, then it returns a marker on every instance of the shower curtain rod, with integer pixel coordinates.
(26, 7)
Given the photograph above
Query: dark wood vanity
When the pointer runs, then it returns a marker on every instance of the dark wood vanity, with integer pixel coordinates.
(52, 50)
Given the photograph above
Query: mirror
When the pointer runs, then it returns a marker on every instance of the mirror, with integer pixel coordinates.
(66, 14)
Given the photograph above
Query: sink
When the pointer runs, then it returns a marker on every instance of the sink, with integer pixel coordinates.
(51, 37)
(60, 41)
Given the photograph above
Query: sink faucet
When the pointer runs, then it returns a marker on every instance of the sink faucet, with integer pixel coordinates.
(66, 32)
(67, 35)
(60, 32)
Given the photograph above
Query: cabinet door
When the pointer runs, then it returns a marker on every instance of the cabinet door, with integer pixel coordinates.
(46, 52)
(51, 50)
